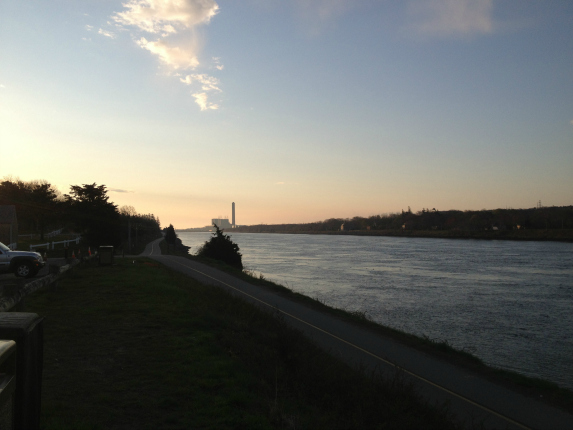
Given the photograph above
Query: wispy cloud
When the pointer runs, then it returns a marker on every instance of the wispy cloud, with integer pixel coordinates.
(208, 83)
(178, 57)
(204, 104)
(217, 63)
(287, 183)
(106, 33)
(89, 27)
(165, 16)
(2, 86)
(119, 190)
(171, 35)
(451, 17)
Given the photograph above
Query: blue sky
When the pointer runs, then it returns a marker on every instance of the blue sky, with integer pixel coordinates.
(297, 110)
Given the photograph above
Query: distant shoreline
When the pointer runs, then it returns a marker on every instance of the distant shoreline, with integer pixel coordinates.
(552, 235)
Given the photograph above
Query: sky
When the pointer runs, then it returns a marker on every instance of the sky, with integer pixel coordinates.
(296, 110)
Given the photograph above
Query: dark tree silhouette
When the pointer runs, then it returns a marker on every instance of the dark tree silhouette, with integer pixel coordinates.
(96, 217)
(35, 201)
(221, 247)
(170, 235)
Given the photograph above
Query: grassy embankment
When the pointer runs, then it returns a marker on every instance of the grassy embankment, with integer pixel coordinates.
(532, 387)
(136, 345)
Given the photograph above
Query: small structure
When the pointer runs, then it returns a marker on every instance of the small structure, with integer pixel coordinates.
(105, 255)
(221, 222)
(8, 225)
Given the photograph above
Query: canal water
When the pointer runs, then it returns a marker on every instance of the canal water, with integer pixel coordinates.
(509, 303)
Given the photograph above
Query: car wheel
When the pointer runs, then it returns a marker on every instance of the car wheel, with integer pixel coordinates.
(24, 270)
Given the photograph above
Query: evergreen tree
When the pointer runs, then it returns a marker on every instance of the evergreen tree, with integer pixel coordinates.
(91, 211)
(221, 247)
(170, 235)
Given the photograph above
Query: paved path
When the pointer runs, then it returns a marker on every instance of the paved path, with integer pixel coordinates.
(472, 399)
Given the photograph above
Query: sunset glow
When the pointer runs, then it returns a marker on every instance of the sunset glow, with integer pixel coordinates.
(297, 111)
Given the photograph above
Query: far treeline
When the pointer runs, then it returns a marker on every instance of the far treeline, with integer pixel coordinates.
(86, 210)
(540, 223)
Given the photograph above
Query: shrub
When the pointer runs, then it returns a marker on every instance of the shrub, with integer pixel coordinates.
(221, 247)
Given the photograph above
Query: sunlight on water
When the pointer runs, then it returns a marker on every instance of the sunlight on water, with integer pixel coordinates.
(509, 303)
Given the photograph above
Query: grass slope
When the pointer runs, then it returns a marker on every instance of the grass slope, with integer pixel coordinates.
(136, 345)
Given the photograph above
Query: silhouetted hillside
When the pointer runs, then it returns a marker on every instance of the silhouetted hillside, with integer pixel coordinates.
(543, 223)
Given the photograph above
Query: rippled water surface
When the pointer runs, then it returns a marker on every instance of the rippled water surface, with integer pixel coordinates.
(509, 303)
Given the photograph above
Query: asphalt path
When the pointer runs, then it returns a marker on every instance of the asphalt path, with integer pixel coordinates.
(473, 401)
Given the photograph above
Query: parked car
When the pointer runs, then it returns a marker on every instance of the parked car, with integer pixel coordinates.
(22, 263)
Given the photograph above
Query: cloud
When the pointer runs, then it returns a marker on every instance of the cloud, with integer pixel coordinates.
(208, 83)
(89, 27)
(156, 16)
(204, 104)
(2, 86)
(118, 190)
(106, 33)
(178, 57)
(174, 39)
(451, 17)
(217, 63)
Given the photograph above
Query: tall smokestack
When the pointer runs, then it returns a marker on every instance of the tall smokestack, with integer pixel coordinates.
(233, 225)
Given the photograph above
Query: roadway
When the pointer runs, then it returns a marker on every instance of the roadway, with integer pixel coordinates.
(473, 400)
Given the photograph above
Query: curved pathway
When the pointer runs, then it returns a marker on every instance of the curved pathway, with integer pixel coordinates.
(472, 399)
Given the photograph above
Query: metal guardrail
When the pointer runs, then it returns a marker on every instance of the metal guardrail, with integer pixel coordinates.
(31, 236)
(53, 233)
(52, 245)
(47, 235)
(40, 245)
(67, 242)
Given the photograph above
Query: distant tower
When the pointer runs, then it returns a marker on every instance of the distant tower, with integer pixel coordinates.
(233, 225)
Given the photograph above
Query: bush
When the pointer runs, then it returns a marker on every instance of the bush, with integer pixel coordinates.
(221, 247)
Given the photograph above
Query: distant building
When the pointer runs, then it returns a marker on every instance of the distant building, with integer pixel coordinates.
(8, 225)
(221, 222)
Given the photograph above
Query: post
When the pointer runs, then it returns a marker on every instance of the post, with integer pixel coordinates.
(27, 330)
(7, 382)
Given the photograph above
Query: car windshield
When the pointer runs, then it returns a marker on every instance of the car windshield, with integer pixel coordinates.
(4, 247)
